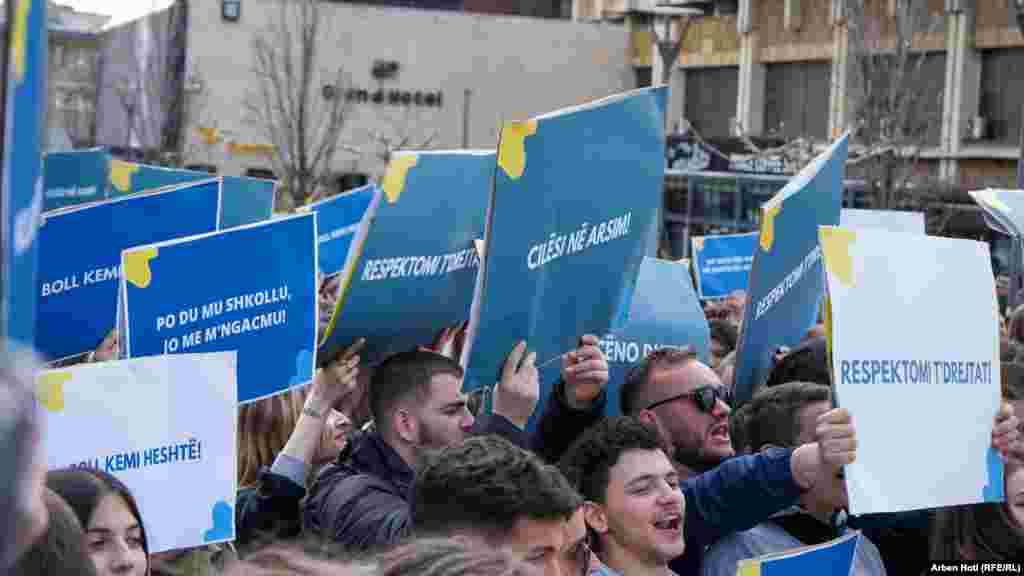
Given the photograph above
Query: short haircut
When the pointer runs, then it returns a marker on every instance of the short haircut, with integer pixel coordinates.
(588, 462)
(84, 488)
(403, 375)
(639, 377)
(738, 429)
(483, 485)
(61, 551)
(725, 332)
(806, 362)
(772, 415)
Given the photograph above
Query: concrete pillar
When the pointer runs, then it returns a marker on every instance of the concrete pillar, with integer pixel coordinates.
(751, 88)
(962, 95)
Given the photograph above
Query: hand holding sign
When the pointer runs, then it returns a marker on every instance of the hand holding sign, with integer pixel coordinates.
(585, 373)
(1006, 435)
(517, 394)
(335, 386)
(107, 349)
(835, 446)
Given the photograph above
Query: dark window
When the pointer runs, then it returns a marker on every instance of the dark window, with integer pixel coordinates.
(643, 76)
(260, 173)
(208, 168)
(711, 100)
(1001, 86)
(796, 99)
(351, 180)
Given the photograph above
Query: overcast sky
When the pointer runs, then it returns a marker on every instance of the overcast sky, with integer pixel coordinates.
(120, 10)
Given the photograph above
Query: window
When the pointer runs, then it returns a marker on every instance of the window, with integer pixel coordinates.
(231, 10)
(796, 99)
(711, 100)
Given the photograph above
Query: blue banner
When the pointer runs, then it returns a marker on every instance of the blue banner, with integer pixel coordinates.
(24, 114)
(787, 283)
(251, 289)
(575, 196)
(246, 201)
(723, 263)
(416, 271)
(337, 221)
(80, 253)
(75, 177)
(664, 312)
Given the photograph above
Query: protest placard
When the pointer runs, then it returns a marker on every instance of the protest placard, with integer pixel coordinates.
(80, 255)
(251, 289)
(575, 195)
(161, 425)
(891, 220)
(835, 557)
(664, 313)
(723, 263)
(416, 270)
(786, 284)
(337, 221)
(75, 177)
(1003, 209)
(25, 99)
(924, 401)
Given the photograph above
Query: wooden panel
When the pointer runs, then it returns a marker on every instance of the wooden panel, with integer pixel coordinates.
(814, 25)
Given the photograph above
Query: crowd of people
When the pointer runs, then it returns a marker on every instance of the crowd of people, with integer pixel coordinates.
(393, 469)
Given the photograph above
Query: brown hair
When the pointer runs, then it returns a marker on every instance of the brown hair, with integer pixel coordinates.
(263, 429)
(61, 551)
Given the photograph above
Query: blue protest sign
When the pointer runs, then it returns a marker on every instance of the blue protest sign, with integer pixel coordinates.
(80, 253)
(246, 201)
(664, 312)
(787, 283)
(415, 273)
(723, 263)
(250, 289)
(74, 177)
(575, 195)
(337, 221)
(24, 113)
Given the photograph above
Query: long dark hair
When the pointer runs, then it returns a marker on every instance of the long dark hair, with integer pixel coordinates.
(83, 488)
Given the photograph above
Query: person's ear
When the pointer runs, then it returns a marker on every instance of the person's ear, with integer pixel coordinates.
(649, 418)
(596, 517)
(405, 425)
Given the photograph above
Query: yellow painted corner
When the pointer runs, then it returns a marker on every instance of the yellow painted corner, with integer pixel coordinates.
(50, 390)
(136, 266)
(512, 153)
(479, 244)
(20, 40)
(121, 174)
(991, 197)
(394, 176)
(698, 244)
(768, 226)
(835, 248)
(749, 568)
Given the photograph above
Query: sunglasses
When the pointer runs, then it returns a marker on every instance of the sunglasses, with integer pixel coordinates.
(705, 397)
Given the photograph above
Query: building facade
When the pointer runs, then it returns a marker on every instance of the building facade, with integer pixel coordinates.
(442, 78)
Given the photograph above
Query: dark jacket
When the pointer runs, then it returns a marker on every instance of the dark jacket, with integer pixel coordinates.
(361, 502)
(739, 494)
(269, 511)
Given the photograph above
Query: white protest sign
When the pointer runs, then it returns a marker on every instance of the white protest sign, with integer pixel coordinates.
(915, 358)
(891, 220)
(163, 425)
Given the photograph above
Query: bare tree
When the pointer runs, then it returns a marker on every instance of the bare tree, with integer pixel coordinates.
(300, 108)
(894, 112)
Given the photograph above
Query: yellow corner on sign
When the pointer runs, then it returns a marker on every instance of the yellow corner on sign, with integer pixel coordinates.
(394, 176)
(827, 305)
(749, 568)
(136, 266)
(20, 39)
(768, 227)
(121, 174)
(835, 247)
(698, 244)
(50, 390)
(512, 155)
(991, 198)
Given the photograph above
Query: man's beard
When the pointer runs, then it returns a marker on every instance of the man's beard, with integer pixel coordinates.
(692, 455)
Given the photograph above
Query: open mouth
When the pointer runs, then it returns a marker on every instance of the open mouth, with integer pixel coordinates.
(720, 432)
(671, 523)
